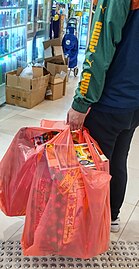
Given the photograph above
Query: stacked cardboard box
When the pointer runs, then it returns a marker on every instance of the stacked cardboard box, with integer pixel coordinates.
(24, 91)
(55, 89)
(57, 65)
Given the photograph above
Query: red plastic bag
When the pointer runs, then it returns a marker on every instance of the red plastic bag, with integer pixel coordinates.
(53, 125)
(17, 169)
(18, 165)
(68, 211)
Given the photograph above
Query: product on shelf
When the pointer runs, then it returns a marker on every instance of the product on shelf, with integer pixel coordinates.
(12, 3)
(22, 17)
(6, 42)
(29, 13)
(3, 70)
(40, 12)
(2, 48)
(0, 72)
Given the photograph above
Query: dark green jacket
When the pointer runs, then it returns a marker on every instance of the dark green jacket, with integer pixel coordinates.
(108, 22)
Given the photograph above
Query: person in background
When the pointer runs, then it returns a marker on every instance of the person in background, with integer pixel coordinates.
(107, 97)
(54, 21)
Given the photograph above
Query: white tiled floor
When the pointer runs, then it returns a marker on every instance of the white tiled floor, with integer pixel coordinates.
(12, 118)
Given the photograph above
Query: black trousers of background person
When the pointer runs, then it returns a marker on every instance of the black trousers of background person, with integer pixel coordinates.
(114, 132)
(54, 28)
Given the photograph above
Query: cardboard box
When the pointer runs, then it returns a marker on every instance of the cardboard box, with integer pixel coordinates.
(39, 71)
(55, 88)
(54, 79)
(57, 63)
(39, 80)
(56, 48)
(23, 98)
(54, 68)
(51, 43)
(48, 53)
(26, 92)
(56, 59)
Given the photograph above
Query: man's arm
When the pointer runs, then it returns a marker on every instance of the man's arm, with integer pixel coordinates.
(106, 33)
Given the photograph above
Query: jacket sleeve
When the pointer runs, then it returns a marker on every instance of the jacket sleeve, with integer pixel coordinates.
(108, 22)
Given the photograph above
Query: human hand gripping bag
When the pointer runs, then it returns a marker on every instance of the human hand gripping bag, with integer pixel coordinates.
(18, 166)
(68, 210)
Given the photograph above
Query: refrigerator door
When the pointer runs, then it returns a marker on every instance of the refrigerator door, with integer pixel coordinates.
(85, 23)
(41, 16)
(12, 38)
(29, 50)
(40, 49)
(41, 26)
(30, 17)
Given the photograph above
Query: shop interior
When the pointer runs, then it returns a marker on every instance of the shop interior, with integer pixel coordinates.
(33, 43)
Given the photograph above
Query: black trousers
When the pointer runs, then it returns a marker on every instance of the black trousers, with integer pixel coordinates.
(114, 132)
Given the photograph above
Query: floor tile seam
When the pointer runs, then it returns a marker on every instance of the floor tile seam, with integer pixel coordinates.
(32, 118)
(9, 238)
(28, 118)
(3, 132)
(127, 203)
(41, 117)
(127, 221)
(135, 143)
(6, 132)
(133, 168)
(9, 117)
(132, 203)
(20, 115)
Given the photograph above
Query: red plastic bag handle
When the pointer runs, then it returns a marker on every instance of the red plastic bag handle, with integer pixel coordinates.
(92, 144)
(53, 125)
